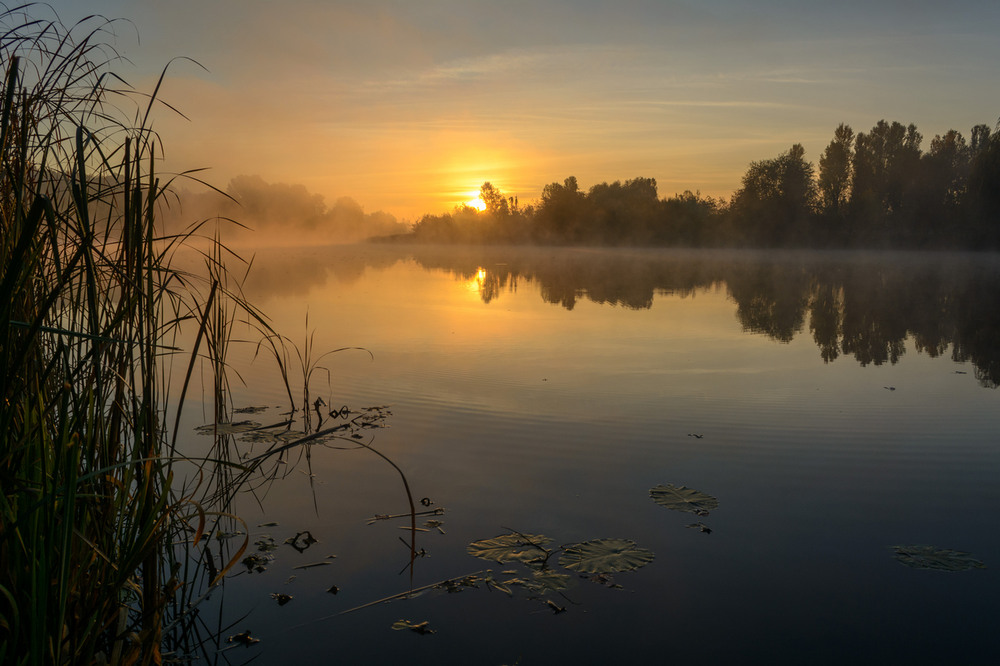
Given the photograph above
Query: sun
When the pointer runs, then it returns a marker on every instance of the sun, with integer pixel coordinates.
(476, 203)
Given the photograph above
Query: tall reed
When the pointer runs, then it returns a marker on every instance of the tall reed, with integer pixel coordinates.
(89, 308)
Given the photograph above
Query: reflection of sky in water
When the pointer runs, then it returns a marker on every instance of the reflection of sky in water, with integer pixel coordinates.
(525, 414)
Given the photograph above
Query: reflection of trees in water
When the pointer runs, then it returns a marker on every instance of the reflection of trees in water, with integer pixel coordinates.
(860, 305)
(864, 306)
(294, 272)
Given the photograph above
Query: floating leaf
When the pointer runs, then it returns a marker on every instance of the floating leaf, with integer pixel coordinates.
(419, 627)
(227, 428)
(605, 556)
(511, 548)
(258, 437)
(682, 498)
(250, 410)
(930, 557)
(282, 599)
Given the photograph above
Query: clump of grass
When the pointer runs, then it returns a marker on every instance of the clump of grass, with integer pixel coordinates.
(89, 308)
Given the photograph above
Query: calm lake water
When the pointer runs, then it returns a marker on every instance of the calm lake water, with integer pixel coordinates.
(836, 405)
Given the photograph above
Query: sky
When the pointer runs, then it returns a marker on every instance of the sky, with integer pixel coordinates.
(408, 106)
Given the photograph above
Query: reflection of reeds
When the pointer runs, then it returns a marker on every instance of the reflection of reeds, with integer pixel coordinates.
(89, 307)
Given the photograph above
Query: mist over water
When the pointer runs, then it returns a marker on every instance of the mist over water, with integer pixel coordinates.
(254, 212)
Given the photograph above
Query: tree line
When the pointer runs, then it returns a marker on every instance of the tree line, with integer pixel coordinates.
(871, 189)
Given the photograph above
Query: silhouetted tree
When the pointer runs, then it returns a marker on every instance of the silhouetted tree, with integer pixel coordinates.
(984, 188)
(494, 200)
(622, 213)
(835, 179)
(558, 215)
(688, 219)
(775, 203)
(436, 229)
(884, 170)
(939, 195)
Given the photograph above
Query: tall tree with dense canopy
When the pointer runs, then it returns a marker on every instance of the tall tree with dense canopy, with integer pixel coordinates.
(885, 166)
(775, 203)
(835, 172)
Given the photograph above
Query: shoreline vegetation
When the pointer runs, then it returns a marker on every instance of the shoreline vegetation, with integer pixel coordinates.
(870, 190)
(874, 190)
(106, 527)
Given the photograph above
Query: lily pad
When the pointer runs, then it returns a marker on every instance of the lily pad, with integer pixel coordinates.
(511, 548)
(605, 556)
(227, 428)
(250, 410)
(931, 557)
(682, 498)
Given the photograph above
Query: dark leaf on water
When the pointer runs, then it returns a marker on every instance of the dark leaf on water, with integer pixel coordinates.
(605, 556)
(701, 527)
(511, 548)
(301, 540)
(682, 498)
(931, 557)
(282, 599)
(243, 639)
(333, 589)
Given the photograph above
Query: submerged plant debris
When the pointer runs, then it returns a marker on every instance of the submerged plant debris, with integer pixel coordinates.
(682, 498)
(931, 557)
(701, 527)
(607, 580)
(257, 562)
